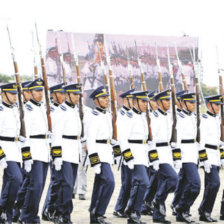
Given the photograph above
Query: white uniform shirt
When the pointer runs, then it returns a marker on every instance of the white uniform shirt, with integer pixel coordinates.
(10, 127)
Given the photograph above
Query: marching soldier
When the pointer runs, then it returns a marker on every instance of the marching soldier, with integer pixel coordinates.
(99, 133)
(9, 141)
(166, 175)
(210, 142)
(49, 208)
(186, 135)
(66, 148)
(123, 121)
(22, 190)
(136, 151)
(37, 150)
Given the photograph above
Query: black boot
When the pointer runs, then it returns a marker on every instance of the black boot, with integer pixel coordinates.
(133, 218)
(160, 207)
(16, 214)
(206, 217)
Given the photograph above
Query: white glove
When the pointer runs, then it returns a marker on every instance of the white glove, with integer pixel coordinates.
(221, 144)
(155, 165)
(222, 163)
(58, 163)
(114, 142)
(97, 168)
(177, 165)
(131, 164)
(22, 139)
(173, 145)
(28, 165)
(49, 134)
(207, 166)
(3, 163)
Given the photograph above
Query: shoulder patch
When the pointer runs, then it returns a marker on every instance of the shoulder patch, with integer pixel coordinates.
(52, 109)
(1, 108)
(129, 114)
(204, 115)
(29, 107)
(122, 112)
(155, 113)
(95, 112)
(181, 115)
(63, 107)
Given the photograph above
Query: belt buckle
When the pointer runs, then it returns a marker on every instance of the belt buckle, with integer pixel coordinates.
(108, 141)
(144, 142)
(78, 137)
(194, 140)
(16, 139)
(46, 136)
(218, 147)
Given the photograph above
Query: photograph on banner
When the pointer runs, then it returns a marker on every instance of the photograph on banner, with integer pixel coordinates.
(67, 52)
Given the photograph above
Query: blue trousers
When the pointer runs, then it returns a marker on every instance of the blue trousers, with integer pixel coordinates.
(140, 183)
(192, 186)
(126, 177)
(179, 188)
(167, 181)
(34, 192)
(102, 190)
(212, 183)
(65, 179)
(12, 179)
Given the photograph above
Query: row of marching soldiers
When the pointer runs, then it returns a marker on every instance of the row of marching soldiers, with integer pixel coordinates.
(150, 170)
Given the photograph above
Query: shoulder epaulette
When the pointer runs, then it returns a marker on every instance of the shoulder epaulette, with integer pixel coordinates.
(181, 114)
(29, 107)
(1, 108)
(95, 112)
(122, 112)
(156, 114)
(204, 115)
(129, 114)
(52, 109)
(63, 107)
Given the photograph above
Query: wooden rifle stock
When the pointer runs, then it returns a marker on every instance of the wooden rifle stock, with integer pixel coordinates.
(35, 72)
(184, 81)
(160, 82)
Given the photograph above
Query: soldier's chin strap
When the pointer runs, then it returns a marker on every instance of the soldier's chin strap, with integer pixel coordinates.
(138, 105)
(100, 104)
(33, 96)
(129, 105)
(8, 98)
(57, 97)
(162, 105)
(213, 108)
(24, 97)
(186, 106)
(69, 98)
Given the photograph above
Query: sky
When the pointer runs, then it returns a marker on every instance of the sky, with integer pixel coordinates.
(198, 18)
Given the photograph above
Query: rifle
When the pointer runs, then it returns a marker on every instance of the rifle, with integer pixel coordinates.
(34, 59)
(181, 69)
(79, 82)
(173, 94)
(19, 89)
(130, 70)
(113, 94)
(46, 88)
(143, 86)
(159, 71)
(61, 59)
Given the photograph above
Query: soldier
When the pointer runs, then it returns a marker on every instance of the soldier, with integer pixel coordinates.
(9, 141)
(37, 144)
(136, 151)
(123, 121)
(186, 135)
(210, 142)
(22, 190)
(66, 148)
(99, 131)
(49, 208)
(166, 176)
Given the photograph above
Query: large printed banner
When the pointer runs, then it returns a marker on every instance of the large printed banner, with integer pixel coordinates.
(63, 46)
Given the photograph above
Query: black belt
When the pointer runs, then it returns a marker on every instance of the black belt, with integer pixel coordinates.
(137, 141)
(211, 146)
(39, 136)
(104, 141)
(161, 144)
(9, 139)
(188, 141)
(71, 137)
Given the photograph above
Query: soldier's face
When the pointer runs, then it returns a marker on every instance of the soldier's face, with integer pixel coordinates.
(60, 97)
(216, 108)
(164, 104)
(103, 102)
(27, 95)
(37, 95)
(153, 105)
(74, 98)
(178, 103)
(190, 106)
(142, 105)
(12, 98)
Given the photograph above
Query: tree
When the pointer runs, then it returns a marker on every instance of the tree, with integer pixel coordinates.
(209, 90)
(5, 78)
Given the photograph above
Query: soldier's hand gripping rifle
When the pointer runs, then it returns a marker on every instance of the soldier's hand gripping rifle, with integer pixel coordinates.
(143, 86)
(159, 71)
(19, 89)
(181, 69)
(173, 95)
(46, 88)
(81, 114)
(130, 70)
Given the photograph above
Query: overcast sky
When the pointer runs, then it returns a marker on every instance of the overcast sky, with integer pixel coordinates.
(198, 18)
